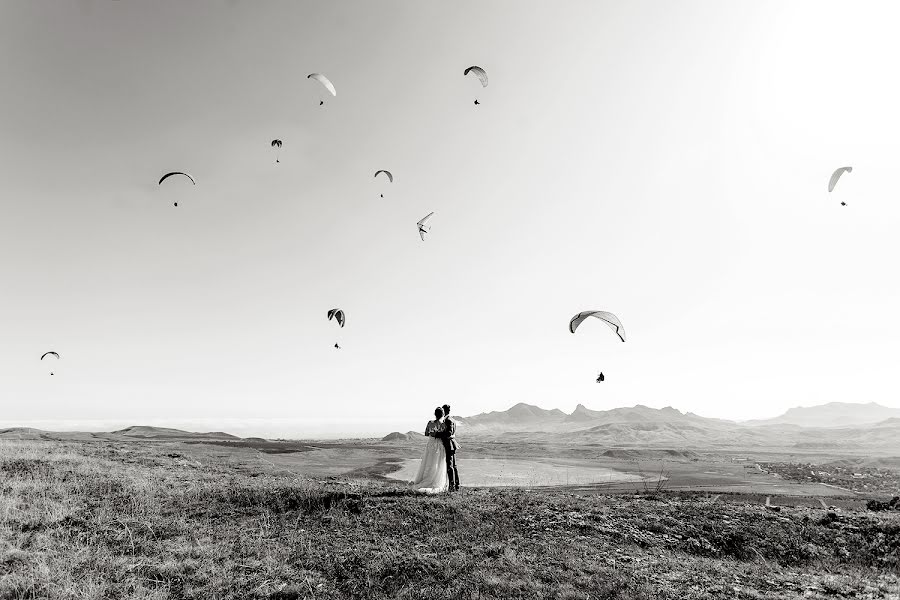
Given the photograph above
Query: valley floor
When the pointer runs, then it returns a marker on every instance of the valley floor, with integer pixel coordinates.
(146, 521)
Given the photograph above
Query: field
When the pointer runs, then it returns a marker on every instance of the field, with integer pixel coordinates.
(515, 472)
(547, 466)
(153, 520)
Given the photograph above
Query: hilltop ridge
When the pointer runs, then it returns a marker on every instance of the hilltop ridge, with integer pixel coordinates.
(149, 432)
(832, 414)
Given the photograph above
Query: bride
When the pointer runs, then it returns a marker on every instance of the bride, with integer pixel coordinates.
(432, 476)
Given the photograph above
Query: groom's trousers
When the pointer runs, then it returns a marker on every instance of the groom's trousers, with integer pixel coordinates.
(452, 473)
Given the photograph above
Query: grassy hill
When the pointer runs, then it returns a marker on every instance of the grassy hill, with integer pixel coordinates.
(147, 432)
(139, 520)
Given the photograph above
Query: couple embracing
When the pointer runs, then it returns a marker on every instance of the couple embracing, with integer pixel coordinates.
(437, 472)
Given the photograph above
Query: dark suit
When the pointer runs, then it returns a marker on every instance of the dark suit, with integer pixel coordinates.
(448, 436)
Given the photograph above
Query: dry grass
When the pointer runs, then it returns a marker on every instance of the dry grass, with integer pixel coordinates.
(139, 521)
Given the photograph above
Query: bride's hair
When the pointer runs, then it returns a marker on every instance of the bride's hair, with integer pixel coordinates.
(438, 412)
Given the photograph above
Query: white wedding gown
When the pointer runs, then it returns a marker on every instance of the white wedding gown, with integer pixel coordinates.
(432, 475)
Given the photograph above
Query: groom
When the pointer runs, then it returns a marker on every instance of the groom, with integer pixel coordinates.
(448, 436)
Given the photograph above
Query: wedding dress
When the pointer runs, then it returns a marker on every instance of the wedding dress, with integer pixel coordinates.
(432, 475)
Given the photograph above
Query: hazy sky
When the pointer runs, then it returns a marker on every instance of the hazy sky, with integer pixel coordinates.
(666, 161)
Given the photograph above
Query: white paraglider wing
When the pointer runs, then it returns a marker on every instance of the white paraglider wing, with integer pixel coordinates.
(421, 225)
(610, 319)
(324, 81)
(837, 175)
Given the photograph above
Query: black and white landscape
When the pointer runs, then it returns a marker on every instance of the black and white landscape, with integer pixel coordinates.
(275, 274)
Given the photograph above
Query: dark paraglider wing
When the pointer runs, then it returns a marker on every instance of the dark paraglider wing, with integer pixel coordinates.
(480, 73)
(336, 314)
(388, 173)
(607, 317)
(276, 143)
(49, 354)
(167, 175)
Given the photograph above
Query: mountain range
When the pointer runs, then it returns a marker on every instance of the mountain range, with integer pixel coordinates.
(833, 414)
(831, 425)
(845, 426)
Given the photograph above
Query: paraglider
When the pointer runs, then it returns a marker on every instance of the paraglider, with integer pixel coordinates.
(167, 175)
(607, 317)
(277, 145)
(389, 176)
(834, 179)
(422, 229)
(610, 319)
(54, 354)
(325, 82)
(338, 315)
(481, 74)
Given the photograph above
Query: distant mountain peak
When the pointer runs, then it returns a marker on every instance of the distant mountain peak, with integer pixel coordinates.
(832, 414)
(582, 413)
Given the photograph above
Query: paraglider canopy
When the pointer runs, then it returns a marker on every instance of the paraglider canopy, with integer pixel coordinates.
(388, 173)
(837, 175)
(480, 73)
(338, 315)
(607, 317)
(167, 175)
(276, 143)
(324, 81)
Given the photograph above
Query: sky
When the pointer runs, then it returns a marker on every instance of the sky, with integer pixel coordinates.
(665, 161)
